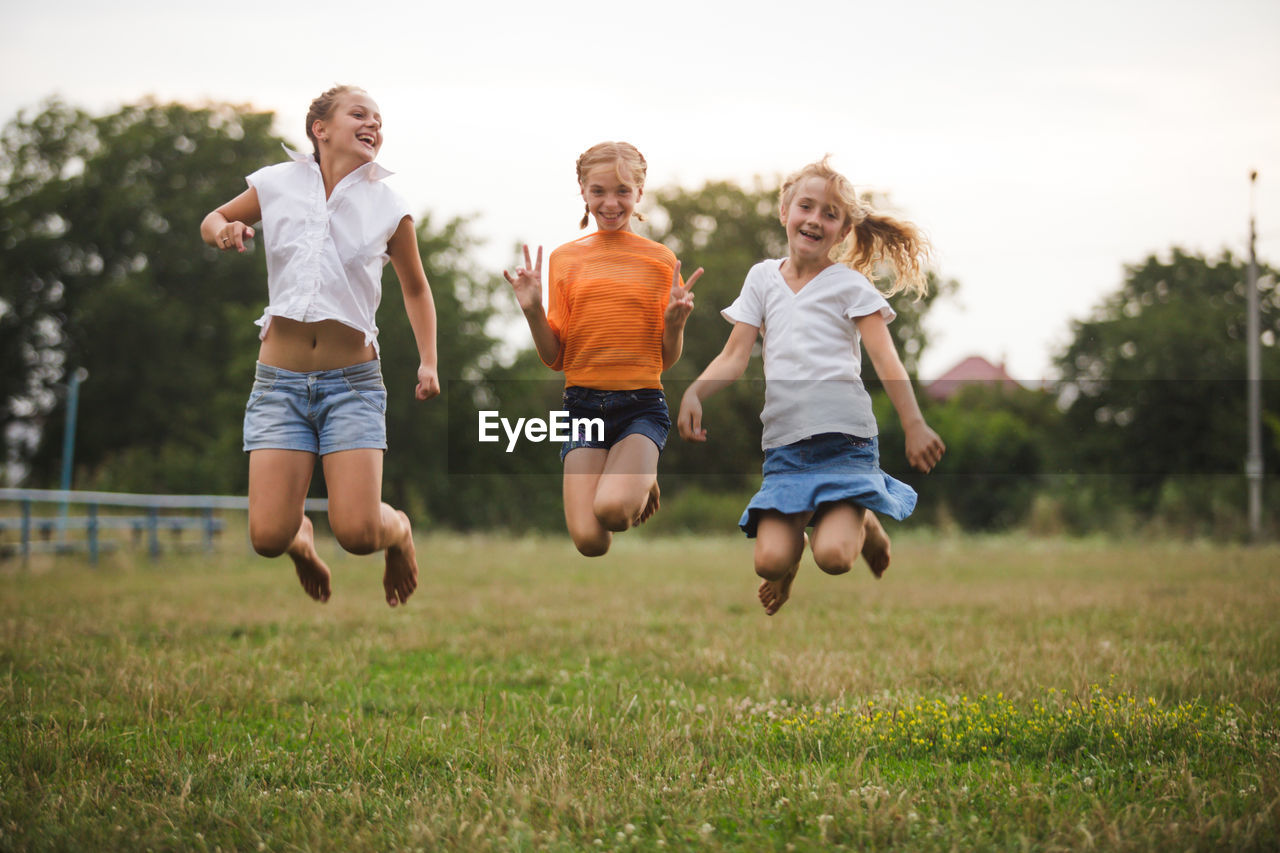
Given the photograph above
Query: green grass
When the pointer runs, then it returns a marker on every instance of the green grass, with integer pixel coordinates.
(998, 693)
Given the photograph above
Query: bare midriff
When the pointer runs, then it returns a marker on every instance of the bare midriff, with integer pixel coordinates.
(306, 347)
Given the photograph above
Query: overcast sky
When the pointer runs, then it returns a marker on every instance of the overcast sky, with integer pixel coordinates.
(1041, 147)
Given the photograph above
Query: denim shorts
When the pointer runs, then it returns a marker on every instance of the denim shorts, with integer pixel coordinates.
(825, 469)
(642, 411)
(321, 412)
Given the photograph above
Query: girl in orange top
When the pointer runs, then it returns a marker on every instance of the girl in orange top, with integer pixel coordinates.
(618, 307)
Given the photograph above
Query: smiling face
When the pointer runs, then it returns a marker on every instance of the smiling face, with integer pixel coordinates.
(611, 194)
(815, 220)
(353, 128)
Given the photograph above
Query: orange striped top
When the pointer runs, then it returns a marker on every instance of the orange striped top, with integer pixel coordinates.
(608, 292)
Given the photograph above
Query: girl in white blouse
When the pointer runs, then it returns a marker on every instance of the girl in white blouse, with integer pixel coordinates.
(329, 224)
(817, 308)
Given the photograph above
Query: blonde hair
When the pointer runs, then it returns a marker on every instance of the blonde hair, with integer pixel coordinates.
(322, 109)
(622, 155)
(874, 237)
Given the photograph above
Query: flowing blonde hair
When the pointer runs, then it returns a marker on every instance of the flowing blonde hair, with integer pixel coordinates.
(622, 155)
(874, 238)
(322, 108)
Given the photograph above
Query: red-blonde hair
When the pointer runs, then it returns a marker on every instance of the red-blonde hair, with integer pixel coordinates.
(875, 239)
(623, 155)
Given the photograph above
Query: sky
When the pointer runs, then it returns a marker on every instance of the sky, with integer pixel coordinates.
(1042, 147)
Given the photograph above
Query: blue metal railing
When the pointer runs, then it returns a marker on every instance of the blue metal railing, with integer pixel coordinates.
(149, 522)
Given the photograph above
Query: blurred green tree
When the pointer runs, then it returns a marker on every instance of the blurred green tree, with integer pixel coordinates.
(100, 270)
(38, 154)
(1154, 381)
(435, 466)
(998, 439)
(725, 229)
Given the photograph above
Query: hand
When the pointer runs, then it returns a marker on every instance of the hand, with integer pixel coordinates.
(680, 305)
(527, 282)
(232, 236)
(689, 421)
(924, 448)
(428, 382)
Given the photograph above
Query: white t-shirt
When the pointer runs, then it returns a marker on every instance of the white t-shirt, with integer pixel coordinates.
(812, 350)
(325, 256)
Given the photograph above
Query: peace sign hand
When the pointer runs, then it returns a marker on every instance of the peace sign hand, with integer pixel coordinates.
(527, 282)
(680, 305)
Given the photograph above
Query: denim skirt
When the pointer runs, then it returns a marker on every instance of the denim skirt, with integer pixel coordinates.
(824, 469)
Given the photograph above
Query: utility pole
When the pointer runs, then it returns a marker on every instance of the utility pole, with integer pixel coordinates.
(1253, 462)
(69, 442)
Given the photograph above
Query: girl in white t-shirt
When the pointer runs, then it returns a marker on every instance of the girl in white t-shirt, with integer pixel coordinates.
(330, 224)
(822, 464)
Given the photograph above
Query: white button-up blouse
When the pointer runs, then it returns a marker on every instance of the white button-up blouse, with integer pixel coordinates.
(325, 256)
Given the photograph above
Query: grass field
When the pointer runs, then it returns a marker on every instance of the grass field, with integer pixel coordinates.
(1000, 693)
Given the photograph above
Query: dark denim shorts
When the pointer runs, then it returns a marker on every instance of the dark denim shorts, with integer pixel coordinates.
(321, 412)
(642, 411)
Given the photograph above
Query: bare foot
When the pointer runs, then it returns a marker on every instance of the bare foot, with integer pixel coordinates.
(401, 576)
(652, 505)
(875, 545)
(774, 594)
(312, 572)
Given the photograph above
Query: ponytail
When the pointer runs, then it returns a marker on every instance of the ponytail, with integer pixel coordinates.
(880, 239)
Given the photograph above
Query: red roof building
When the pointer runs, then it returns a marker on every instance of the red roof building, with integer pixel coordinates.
(973, 369)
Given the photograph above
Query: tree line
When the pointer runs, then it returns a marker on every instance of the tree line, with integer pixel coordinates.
(102, 269)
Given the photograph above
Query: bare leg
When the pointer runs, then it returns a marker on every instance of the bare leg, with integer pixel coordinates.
(363, 524)
(838, 531)
(875, 547)
(278, 483)
(582, 470)
(627, 493)
(608, 491)
(779, 547)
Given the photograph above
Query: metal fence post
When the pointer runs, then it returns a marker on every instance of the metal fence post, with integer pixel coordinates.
(208, 530)
(153, 536)
(26, 531)
(92, 531)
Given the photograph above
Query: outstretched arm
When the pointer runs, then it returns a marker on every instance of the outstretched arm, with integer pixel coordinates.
(227, 228)
(527, 284)
(723, 371)
(924, 447)
(679, 306)
(418, 304)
